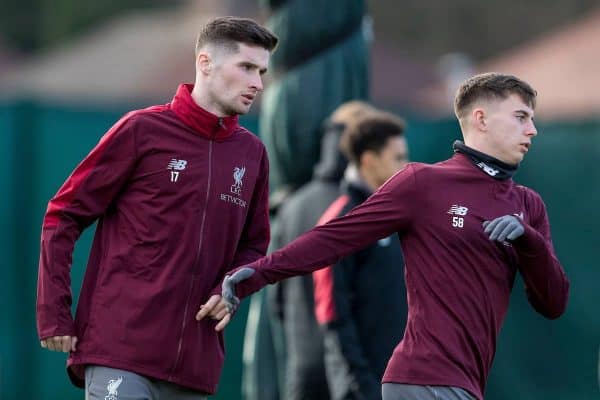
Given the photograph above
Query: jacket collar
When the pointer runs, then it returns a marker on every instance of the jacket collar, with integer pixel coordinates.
(203, 122)
(492, 166)
(353, 183)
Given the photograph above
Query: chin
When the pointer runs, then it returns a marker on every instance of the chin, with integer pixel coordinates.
(240, 109)
(517, 159)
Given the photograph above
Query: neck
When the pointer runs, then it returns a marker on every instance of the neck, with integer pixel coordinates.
(368, 179)
(494, 167)
(355, 177)
(202, 99)
(482, 147)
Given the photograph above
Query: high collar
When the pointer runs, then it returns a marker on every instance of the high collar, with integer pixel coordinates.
(354, 184)
(205, 123)
(332, 162)
(491, 166)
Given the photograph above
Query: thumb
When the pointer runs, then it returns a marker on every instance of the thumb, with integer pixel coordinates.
(74, 343)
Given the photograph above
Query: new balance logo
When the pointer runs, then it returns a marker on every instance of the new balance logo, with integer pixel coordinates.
(458, 210)
(488, 170)
(178, 165)
(458, 222)
(175, 166)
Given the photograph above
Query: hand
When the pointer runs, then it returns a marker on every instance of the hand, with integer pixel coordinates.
(215, 308)
(60, 343)
(507, 227)
(232, 302)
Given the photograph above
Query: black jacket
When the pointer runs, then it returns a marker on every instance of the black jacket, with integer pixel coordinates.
(361, 306)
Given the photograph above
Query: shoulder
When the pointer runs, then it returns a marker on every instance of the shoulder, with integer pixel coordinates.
(414, 171)
(309, 200)
(247, 136)
(528, 194)
(144, 116)
(531, 199)
(533, 204)
(423, 170)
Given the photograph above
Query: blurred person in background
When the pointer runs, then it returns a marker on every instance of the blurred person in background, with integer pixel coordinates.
(358, 343)
(466, 229)
(291, 301)
(180, 193)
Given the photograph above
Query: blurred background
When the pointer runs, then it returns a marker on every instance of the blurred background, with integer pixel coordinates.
(69, 69)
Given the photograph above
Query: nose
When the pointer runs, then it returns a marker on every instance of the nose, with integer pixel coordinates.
(531, 129)
(257, 82)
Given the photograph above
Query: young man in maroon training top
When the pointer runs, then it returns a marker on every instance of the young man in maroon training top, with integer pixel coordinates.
(180, 194)
(466, 229)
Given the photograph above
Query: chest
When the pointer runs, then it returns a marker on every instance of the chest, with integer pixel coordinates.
(463, 209)
(194, 172)
(452, 226)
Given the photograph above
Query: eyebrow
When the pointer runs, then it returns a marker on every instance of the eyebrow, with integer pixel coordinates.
(251, 64)
(524, 112)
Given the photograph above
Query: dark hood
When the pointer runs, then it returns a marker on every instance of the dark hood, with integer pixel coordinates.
(332, 162)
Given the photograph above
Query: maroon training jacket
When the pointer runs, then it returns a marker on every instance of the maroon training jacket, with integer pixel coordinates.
(180, 196)
(458, 281)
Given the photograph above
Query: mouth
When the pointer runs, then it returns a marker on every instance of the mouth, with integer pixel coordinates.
(248, 97)
(525, 146)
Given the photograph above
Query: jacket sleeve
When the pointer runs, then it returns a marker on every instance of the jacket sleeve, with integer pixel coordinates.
(255, 237)
(388, 210)
(348, 370)
(82, 198)
(546, 284)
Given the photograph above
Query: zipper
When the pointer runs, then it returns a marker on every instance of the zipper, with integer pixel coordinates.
(187, 302)
(220, 125)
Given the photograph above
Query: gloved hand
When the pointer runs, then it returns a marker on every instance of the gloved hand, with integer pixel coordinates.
(231, 301)
(507, 227)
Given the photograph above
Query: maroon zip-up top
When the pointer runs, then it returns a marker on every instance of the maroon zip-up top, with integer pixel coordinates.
(180, 196)
(458, 281)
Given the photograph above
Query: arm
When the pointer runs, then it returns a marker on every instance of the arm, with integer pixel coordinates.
(83, 197)
(388, 210)
(347, 367)
(546, 284)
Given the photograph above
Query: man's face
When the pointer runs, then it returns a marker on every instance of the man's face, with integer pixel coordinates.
(235, 78)
(510, 129)
(391, 158)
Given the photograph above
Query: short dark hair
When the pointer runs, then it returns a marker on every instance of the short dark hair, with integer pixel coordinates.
(370, 133)
(230, 31)
(490, 86)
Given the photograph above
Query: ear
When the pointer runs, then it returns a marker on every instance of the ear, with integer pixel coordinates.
(479, 118)
(367, 158)
(204, 62)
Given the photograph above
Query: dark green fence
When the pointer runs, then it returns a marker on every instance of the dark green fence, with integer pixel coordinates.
(537, 359)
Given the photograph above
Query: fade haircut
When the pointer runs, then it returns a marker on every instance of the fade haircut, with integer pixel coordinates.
(491, 86)
(370, 133)
(228, 32)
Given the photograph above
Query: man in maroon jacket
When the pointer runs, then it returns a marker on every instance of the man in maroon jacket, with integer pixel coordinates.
(466, 229)
(180, 194)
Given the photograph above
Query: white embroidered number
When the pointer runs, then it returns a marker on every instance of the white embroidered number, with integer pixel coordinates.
(458, 222)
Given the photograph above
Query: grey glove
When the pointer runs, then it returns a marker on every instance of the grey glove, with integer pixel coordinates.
(232, 302)
(507, 227)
